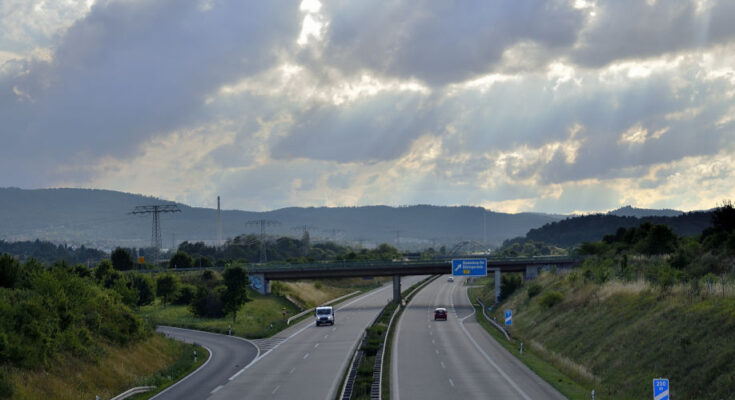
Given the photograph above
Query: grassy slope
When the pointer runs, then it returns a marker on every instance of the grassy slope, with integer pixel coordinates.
(253, 320)
(261, 317)
(159, 361)
(625, 335)
(117, 370)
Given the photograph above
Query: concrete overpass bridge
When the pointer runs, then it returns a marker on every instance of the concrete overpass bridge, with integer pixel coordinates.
(261, 275)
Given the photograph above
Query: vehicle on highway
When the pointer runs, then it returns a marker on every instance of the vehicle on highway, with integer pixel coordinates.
(440, 313)
(324, 315)
(450, 279)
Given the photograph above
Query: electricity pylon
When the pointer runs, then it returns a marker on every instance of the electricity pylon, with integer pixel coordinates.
(156, 227)
(305, 238)
(263, 223)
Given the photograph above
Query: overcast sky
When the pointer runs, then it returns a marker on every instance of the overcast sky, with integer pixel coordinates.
(514, 105)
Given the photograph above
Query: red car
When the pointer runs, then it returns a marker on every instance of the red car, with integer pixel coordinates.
(440, 313)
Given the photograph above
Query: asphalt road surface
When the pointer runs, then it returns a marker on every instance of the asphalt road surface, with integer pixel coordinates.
(457, 358)
(228, 354)
(301, 362)
(308, 361)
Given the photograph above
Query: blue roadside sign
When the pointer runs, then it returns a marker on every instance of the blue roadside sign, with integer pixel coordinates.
(660, 389)
(469, 267)
(508, 317)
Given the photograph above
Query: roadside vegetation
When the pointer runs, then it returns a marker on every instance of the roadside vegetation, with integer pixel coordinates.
(646, 303)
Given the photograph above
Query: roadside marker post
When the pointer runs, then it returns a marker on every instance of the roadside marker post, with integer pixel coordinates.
(660, 389)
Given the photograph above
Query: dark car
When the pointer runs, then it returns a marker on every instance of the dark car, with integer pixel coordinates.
(440, 313)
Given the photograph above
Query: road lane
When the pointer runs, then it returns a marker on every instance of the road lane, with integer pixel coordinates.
(457, 358)
(228, 354)
(308, 363)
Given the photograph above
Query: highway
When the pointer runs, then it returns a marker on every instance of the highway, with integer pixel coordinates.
(228, 354)
(304, 361)
(457, 358)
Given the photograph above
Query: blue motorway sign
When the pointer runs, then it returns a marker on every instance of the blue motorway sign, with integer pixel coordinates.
(469, 267)
(508, 317)
(660, 389)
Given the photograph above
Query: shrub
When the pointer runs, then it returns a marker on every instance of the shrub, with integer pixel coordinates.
(207, 303)
(551, 298)
(508, 285)
(185, 295)
(534, 290)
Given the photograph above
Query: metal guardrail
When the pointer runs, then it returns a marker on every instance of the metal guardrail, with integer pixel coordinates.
(492, 321)
(133, 391)
(349, 384)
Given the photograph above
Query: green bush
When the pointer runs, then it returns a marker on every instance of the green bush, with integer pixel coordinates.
(185, 295)
(551, 298)
(508, 285)
(534, 290)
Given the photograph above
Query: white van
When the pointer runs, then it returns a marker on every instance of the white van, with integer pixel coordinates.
(324, 315)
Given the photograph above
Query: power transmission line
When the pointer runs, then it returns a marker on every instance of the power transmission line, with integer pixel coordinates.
(156, 227)
(263, 223)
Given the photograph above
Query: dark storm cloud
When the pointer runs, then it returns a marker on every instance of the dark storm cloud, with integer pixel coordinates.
(131, 70)
(441, 42)
(630, 29)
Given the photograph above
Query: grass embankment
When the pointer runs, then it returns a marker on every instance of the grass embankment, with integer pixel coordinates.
(262, 316)
(151, 362)
(616, 337)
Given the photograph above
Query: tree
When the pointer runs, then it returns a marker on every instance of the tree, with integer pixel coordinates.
(9, 271)
(723, 218)
(659, 239)
(144, 285)
(236, 281)
(166, 286)
(102, 270)
(121, 259)
(180, 260)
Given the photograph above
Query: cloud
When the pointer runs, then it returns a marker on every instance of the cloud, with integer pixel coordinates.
(441, 42)
(634, 29)
(129, 71)
(520, 105)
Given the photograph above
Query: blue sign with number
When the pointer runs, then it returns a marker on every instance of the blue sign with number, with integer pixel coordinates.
(508, 317)
(660, 389)
(469, 267)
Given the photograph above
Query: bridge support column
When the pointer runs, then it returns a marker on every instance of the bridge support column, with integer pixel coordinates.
(497, 285)
(531, 272)
(397, 288)
(260, 284)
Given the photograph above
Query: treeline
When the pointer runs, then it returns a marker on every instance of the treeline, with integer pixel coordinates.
(575, 230)
(48, 252)
(655, 252)
(246, 249)
(45, 311)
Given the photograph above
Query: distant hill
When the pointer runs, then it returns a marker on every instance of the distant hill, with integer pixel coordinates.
(572, 231)
(102, 219)
(629, 211)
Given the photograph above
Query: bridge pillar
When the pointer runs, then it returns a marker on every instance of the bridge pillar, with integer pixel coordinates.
(531, 272)
(260, 284)
(397, 288)
(497, 285)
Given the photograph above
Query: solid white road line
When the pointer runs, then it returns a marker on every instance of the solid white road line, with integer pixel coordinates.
(211, 355)
(487, 357)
